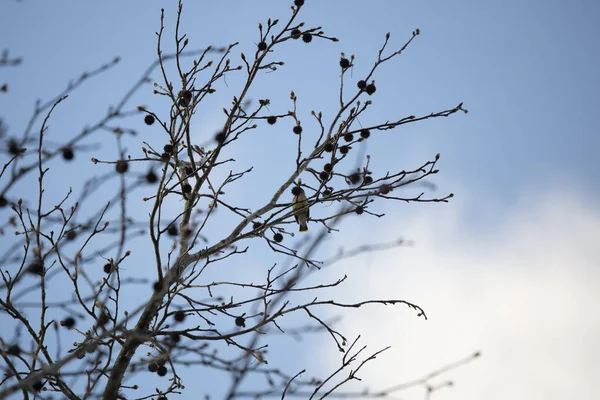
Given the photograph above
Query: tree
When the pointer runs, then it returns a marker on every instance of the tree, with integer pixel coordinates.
(85, 322)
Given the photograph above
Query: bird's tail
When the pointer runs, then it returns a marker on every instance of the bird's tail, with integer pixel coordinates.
(303, 226)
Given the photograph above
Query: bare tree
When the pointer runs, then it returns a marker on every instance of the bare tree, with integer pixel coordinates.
(72, 319)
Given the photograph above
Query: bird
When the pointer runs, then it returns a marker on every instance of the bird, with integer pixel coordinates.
(301, 213)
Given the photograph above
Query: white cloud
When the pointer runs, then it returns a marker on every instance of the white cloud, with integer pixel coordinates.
(525, 293)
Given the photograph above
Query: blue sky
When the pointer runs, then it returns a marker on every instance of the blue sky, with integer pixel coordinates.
(523, 163)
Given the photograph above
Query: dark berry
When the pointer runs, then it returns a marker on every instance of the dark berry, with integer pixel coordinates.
(328, 147)
(297, 129)
(165, 156)
(296, 33)
(189, 171)
(37, 385)
(371, 89)
(13, 147)
(361, 84)
(71, 235)
(256, 225)
(157, 286)
(152, 367)
(278, 237)
(296, 190)
(262, 46)
(13, 350)
(151, 177)
(36, 267)
(186, 94)
(298, 3)
(121, 166)
(3, 201)
(185, 97)
(240, 321)
(103, 318)
(179, 316)
(272, 120)
(161, 371)
(107, 268)
(359, 210)
(149, 119)
(162, 398)
(348, 137)
(324, 175)
(384, 189)
(344, 63)
(354, 178)
(68, 322)
(67, 153)
(168, 148)
(175, 337)
(328, 167)
(220, 137)
(344, 149)
(365, 133)
(327, 192)
(307, 38)
(368, 180)
(187, 188)
(172, 231)
(161, 362)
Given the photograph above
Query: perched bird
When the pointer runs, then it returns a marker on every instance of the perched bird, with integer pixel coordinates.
(299, 203)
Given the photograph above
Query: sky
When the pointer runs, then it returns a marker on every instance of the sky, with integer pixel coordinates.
(509, 267)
